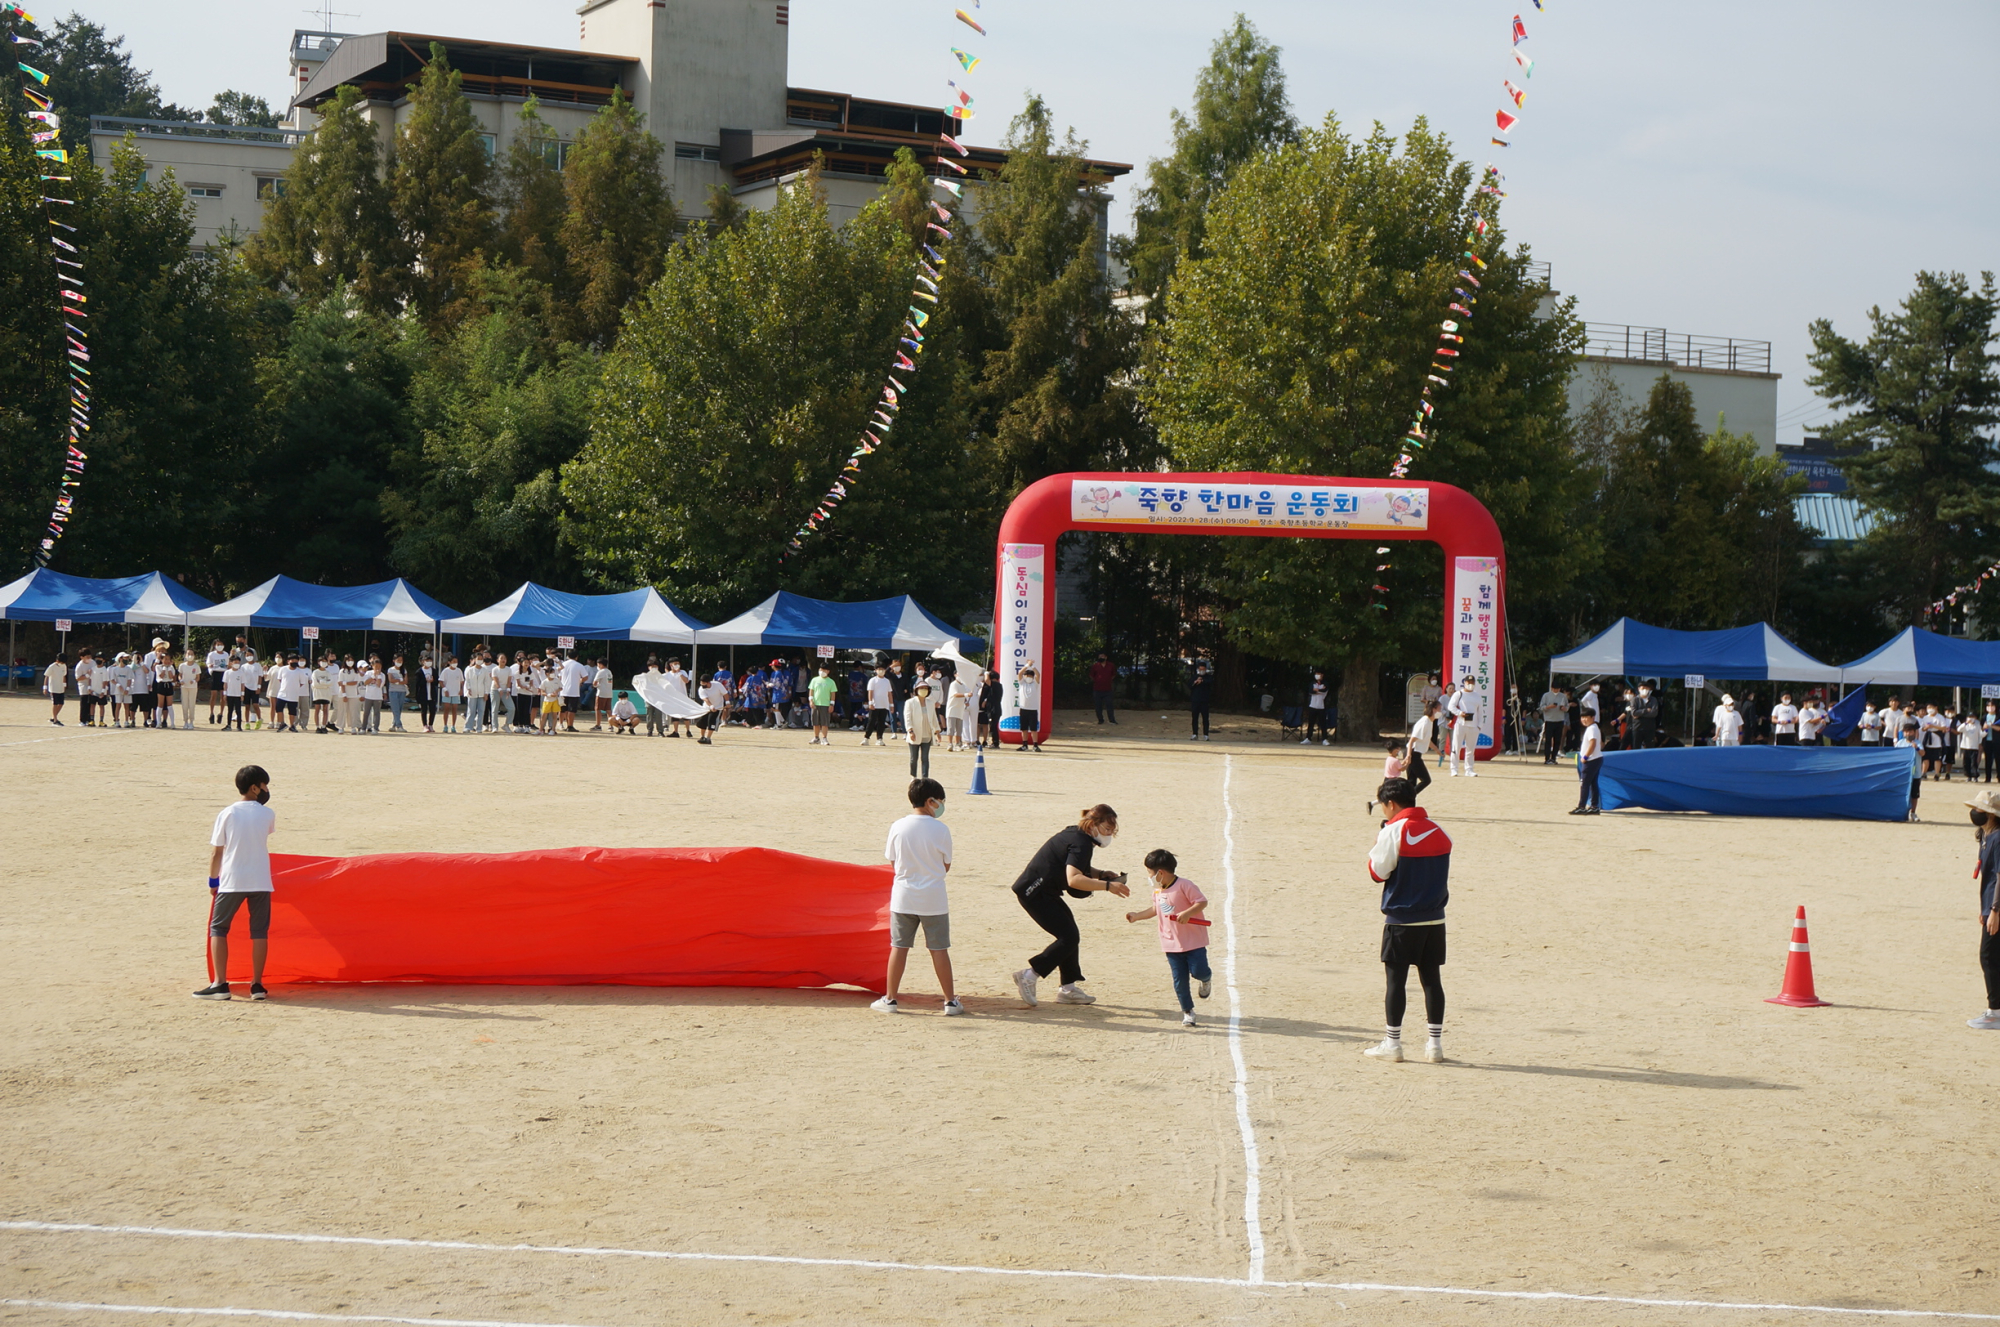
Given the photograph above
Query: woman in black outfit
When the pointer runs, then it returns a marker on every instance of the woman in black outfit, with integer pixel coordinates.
(424, 690)
(1063, 865)
(990, 694)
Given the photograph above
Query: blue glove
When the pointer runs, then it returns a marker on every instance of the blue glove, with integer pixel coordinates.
(214, 883)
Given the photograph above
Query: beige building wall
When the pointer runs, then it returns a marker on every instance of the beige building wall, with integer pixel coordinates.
(1745, 402)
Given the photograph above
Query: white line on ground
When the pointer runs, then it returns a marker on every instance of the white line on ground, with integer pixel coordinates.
(285, 1315)
(871, 1264)
(37, 741)
(1252, 1172)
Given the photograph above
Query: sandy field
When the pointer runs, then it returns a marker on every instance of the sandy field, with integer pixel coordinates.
(1624, 1116)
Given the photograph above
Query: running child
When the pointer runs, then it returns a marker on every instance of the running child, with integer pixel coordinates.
(239, 874)
(920, 847)
(1397, 763)
(1183, 931)
(1411, 860)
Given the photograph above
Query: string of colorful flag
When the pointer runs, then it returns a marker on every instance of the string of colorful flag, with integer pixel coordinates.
(44, 125)
(1971, 587)
(931, 265)
(1457, 322)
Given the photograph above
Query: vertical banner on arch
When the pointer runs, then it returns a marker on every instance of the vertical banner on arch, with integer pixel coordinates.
(1475, 646)
(1023, 582)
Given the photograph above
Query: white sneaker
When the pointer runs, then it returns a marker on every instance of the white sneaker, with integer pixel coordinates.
(1451, 773)
(1472, 774)
(1074, 995)
(1391, 1051)
(1987, 1022)
(952, 1008)
(1326, 741)
(1187, 1020)
(1305, 741)
(1024, 982)
(1434, 1052)
(1202, 990)
(885, 1005)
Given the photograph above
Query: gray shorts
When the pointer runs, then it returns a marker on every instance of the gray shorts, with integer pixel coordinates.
(822, 715)
(223, 911)
(903, 930)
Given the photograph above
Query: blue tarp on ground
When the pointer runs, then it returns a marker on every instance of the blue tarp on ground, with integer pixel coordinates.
(47, 596)
(283, 602)
(1915, 657)
(1740, 654)
(539, 613)
(1854, 783)
(876, 624)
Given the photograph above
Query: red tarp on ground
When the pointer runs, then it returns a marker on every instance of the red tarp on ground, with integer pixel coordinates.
(576, 916)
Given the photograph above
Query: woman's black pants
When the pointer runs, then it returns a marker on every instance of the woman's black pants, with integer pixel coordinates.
(1419, 774)
(1052, 914)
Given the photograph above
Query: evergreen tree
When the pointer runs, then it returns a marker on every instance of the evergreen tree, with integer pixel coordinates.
(330, 224)
(242, 108)
(619, 223)
(438, 178)
(1925, 397)
(1240, 112)
(532, 204)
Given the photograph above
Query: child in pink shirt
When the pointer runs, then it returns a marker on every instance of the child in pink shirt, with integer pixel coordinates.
(1183, 931)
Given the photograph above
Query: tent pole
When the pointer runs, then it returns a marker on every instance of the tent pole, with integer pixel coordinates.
(10, 654)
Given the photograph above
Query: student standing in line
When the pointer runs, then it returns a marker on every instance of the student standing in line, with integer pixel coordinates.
(1028, 689)
(881, 695)
(166, 682)
(239, 874)
(374, 690)
(555, 705)
(1784, 721)
(189, 676)
(820, 692)
(602, 684)
(1990, 738)
(1870, 724)
(349, 682)
(217, 661)
(139, 687)
(1316, 698)
(85, 677)
(325, 682)
(1178, 906)
(920, 728)
(1971, 733)
(919, 846)
(1590, 763)
(1646, 718)
(55, 682)
(570, 675)
(1727, 724)
(1422, 734)
(1986, 875)
(1812, 721)
(1062, 866)
(232, 696)
(253, 689)
(451, 691)
(1411, 860)
(1932, 726)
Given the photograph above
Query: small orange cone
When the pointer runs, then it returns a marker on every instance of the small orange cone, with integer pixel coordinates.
(1798, 991)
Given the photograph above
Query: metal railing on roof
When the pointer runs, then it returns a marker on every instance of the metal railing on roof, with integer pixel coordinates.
(317, 41)
(1656, 345)
(1539, 273)
(120, 124)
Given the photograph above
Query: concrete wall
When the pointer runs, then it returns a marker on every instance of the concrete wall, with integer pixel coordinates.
(232, 165)
(1746, 402)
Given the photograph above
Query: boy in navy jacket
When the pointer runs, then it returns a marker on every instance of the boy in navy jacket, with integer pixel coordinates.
(1411, 860)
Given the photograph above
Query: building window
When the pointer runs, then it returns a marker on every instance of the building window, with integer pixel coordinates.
(697, 152)
(270, 186)
(491, 144)
(204, 191)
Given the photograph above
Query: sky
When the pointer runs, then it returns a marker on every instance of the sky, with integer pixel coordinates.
(1723, 168)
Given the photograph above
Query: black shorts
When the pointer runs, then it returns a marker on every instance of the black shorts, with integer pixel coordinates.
(1031, 722)
(708, 721)
(569, 704)
(215, 683)
(223, 911)
(1415, 945)
(142, 700)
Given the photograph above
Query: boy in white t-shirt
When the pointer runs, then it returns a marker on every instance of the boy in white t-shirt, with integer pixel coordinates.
(602, 683)
(624, 716)
(1870, 724)
(253, 689)
(54, 682)
(920, 847)
(1811, 720)
(239, 874)
(232, 697)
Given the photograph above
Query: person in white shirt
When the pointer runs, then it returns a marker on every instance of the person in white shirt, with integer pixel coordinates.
(55, 683)
(451, 691)
(1727, 723)
(1590, 763)
(920, 727)
(1316, 696)
(325, 682)
(624, 716)
(139, 688)
(189, 676)
(1423, 734)
(348, 694)
(217, 661)
(253, 689)
(1785, 722)
(602, 684)
(571, 674)
(1811, 720)
(398, 691)
(502, 676)
(239, 873)
(958, 711)
(881, 699)
(85, 677)
(1931, 728)
(715, 695)
(478, 689)
(1028, 689)
(300, 675)
(1970, 734)
(1870, 725)
(920, 848)
(1463, 708)
(679, 677)
(101, 684)
(232, 696)
(553, 702)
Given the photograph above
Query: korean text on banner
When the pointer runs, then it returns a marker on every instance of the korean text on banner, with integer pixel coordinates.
(309, 633)
(1023, 582)
(565, 642)
(825, 651)
(1475, 591)
(1258, 506)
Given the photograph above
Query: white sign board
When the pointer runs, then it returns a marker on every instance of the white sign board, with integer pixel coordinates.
(1475, 593)
(1694, 681)
(310, 633)
(565, 642)
(1023, 582)
(826, 651)
(62, 625)
(1130, 502)
(1989, 691)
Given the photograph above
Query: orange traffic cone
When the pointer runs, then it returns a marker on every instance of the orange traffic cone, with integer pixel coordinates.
(1798, 990)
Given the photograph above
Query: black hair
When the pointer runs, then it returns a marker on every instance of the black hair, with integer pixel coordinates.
(1393, 745)
(1159, 859)
(250, 776)
(1400, 791)
(923, 790)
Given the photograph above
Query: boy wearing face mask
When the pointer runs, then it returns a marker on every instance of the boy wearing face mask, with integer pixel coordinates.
(239, 875)
(920, 848)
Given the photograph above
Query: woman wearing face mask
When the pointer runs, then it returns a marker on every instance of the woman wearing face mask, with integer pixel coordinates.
(1986, 828)
(1316, 712)
(1063, 865)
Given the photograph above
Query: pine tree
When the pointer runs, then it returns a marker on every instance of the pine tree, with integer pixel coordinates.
(330, 223)
(530, 190)
(619, 223)
(438, 178)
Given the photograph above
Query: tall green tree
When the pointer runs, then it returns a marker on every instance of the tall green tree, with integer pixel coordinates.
(438, 179)
(242, 108)
(619, 222)
(1924, 397)
(532, 203)
(330, 223)
(33, 381)
(1240, 112)
(1300, 342)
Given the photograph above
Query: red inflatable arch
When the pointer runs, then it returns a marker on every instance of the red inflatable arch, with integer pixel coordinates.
(1304, 506)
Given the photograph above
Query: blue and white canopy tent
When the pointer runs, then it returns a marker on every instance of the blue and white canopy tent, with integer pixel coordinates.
(1915, 657)
(791, 619)
(1749, 654)
(540, 613)
(393, 606)
(50, 596)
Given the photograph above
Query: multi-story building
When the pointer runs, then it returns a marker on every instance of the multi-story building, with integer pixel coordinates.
(709, 76)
